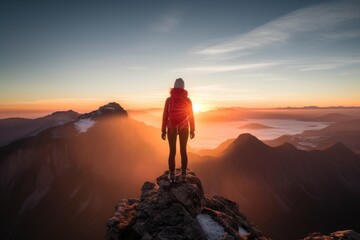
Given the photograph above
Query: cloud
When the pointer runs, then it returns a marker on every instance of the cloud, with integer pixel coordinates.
(215, 88)
(144, 97)
(226, 68)
(317, 67)
(268, 77)
(323, 64)
(166, 23)
(320, 18)
(341, 35)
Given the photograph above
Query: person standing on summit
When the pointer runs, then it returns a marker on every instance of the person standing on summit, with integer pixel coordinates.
(177, 118)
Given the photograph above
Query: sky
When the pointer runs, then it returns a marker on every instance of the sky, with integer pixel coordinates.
(59, 55)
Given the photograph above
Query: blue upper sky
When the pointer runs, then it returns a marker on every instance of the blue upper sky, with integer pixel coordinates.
(230, 53)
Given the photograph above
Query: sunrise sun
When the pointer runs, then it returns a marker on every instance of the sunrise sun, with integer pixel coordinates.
(197, 108)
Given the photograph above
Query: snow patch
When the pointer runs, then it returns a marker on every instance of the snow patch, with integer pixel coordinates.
(243, 232)
(109, 108)
(84, 124)
(211, 228)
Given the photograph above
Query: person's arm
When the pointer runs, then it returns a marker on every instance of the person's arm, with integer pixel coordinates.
(165, 117)
(192, 121)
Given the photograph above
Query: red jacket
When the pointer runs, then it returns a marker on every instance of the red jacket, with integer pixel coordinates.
(178, 112)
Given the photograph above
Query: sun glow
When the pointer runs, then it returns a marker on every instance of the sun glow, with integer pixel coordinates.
(197, 108)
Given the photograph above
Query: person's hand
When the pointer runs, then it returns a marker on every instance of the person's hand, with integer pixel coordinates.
(163, 135)
(192, 135)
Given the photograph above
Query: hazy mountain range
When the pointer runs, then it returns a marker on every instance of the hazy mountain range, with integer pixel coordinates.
(63, 182)
(12, 129)
(346, 132)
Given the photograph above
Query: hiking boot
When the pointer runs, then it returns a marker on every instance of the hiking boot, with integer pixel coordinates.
(183, 176)
(171, 177)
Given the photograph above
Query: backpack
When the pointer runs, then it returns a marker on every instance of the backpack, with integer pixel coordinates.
(178, 112)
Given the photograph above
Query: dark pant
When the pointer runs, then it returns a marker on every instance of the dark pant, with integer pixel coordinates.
(183, 137)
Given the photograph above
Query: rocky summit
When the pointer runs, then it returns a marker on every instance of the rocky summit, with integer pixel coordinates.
(110, 109)
(178, 210)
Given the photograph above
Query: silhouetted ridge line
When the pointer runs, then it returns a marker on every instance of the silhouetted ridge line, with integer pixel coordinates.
(338, 146)
(340, 151)
(64, 112)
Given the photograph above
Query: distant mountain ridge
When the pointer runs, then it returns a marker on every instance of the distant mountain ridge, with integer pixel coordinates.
(12, 129)
(347, 132)
(331, 117)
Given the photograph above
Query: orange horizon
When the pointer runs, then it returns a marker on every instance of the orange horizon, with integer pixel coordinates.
(38, 110)
(84, 106)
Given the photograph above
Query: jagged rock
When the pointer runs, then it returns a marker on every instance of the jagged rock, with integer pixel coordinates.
(123, 219)
(179, 210)
(339, 235)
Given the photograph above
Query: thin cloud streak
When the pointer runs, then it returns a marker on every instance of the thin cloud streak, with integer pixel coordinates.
(211, 99)
(318, 67)
(144, 96)
(226, 68)
(55, 104)
(54, 101)
(341, 35)
(216, 88)
(323, 64)
(268, 77)
(320, 18)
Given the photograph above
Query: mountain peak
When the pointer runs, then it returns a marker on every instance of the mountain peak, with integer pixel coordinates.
(110, 109)
(247, 138)
(336, 146)
(339, 149)
(178, 210)
(246, 142)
